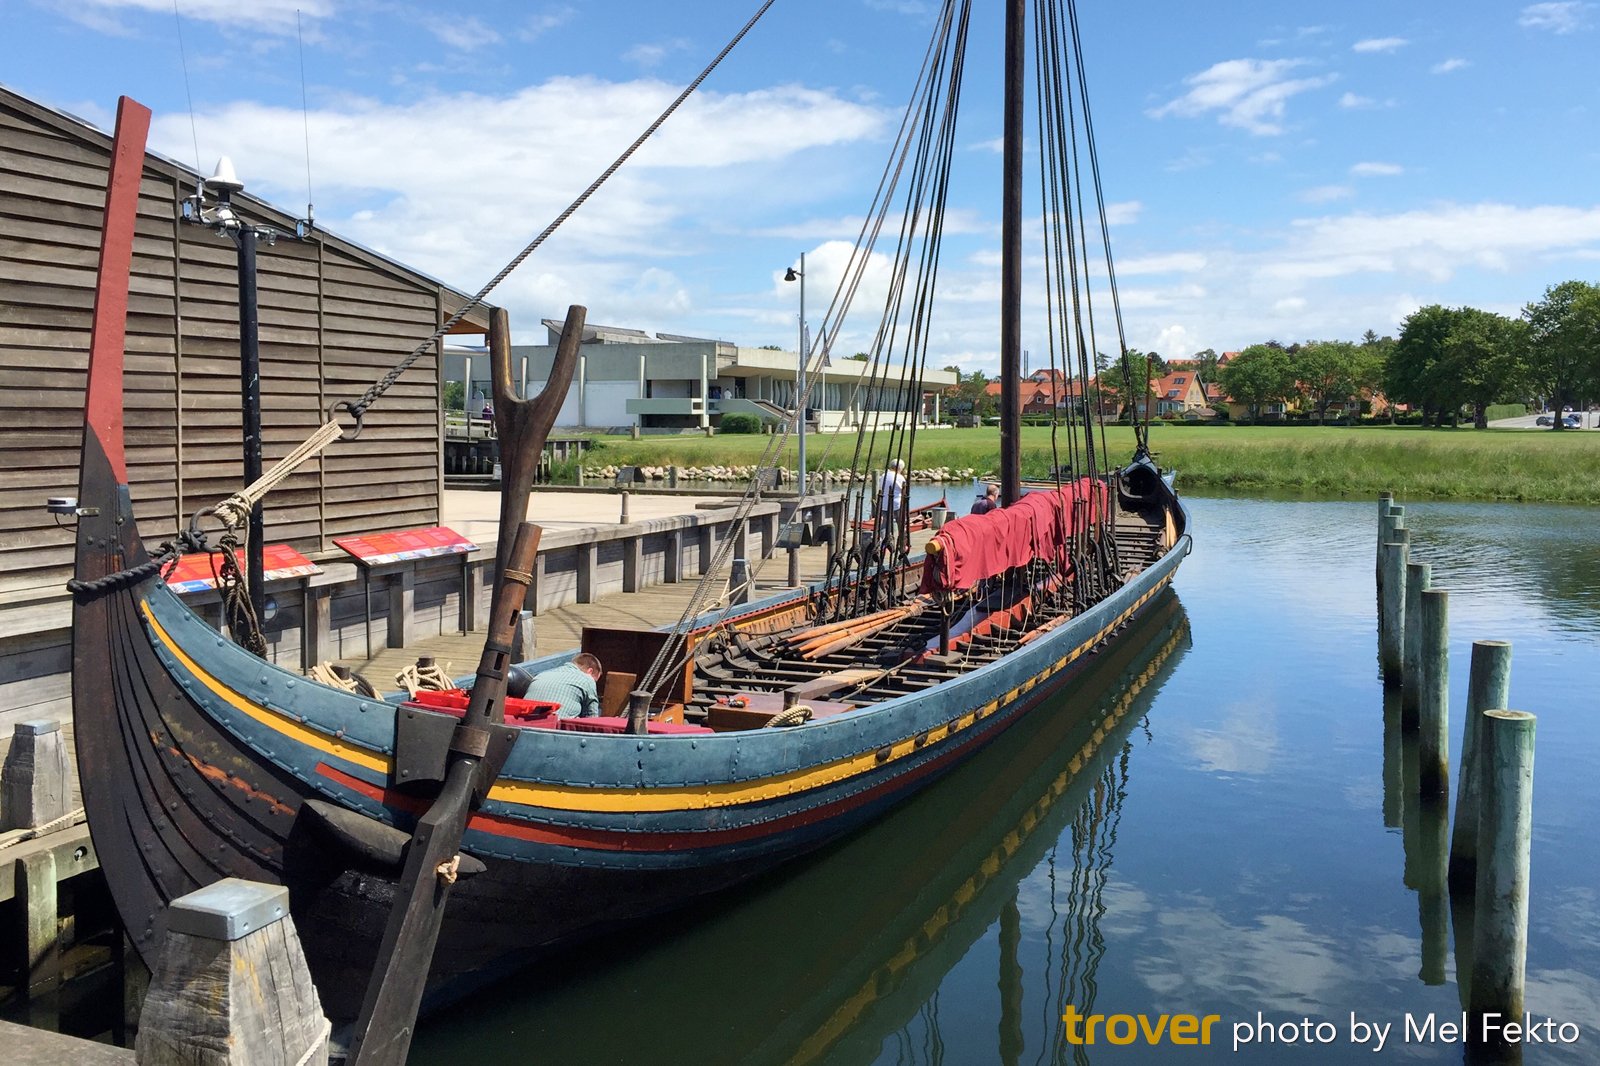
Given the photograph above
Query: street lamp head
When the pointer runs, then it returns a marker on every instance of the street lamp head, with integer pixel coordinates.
(792, 274)
(224, 180)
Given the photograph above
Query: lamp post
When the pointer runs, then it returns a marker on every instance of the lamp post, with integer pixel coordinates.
(245, 236)
(800, 372)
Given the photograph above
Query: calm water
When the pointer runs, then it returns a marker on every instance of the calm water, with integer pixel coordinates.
(1215, 822)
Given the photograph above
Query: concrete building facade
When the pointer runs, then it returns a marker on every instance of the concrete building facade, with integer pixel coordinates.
(669, 384)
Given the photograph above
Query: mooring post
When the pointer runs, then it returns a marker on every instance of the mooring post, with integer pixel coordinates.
(639, 712)
(232, 985)
(1505, 823)
(794, 568)
(1433, 708)
(623, 520)
(1391, 615)
(33, 782)
(739, 581)
(1387, 525)
(672, 477)
(1418, 577)
(1488, 689)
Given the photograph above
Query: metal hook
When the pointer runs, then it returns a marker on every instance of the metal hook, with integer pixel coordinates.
(359, 412)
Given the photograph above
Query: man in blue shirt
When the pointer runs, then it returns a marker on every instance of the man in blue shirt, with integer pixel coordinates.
(571, 685)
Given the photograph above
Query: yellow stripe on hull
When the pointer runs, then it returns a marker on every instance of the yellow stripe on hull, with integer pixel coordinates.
(577, 798)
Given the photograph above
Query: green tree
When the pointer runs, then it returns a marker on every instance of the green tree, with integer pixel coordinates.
(1258, 375)
(860, 357)
(455, 395)
(1486, 355)
(1564, 342)
(1206, 364)
(1325, 371)
(1370, 361)
(1415, 374)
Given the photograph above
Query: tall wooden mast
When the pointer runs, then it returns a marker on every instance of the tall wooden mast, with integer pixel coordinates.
(1011, 263)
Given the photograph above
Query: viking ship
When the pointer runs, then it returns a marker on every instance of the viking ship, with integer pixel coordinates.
(752, 733)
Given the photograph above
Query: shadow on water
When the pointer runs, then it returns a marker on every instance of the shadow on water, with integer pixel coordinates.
(828, 960)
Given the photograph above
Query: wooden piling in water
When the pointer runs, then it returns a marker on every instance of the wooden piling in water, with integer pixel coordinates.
(1391, 615)
(1433, 707)
(1500, 923)
(232, 985)
(1418, 577)
(1385, 505)
(33, 782)
(739, 581)
(1488, 689)
(1387, 526)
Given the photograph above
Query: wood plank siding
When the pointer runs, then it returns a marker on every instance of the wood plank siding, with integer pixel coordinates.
(334, 318)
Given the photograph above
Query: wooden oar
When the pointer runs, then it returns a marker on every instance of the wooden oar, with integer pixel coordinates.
(479, 744)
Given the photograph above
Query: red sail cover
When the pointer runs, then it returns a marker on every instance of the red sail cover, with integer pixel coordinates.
(1038, 526)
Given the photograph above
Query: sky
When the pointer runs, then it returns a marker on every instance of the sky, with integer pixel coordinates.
(1280, 170)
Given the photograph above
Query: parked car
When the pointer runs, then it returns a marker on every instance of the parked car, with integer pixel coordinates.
(1572, 422)
(1544, 420)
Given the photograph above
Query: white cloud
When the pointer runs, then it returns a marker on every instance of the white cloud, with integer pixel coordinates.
(272, 16)
(1167, 263)
(1569, 16)
(1448, 65)
(996, 145)
(1323, 194)
(1191, 159)
(1290, 305)
(648, 55)
(1435, 243)
(1380, 44)
(1174, 341)
(517, 160)
(461, 33)
(1123, 213)
(1351, 100)
(1376, 170)
(536, 26)
(1248, 93)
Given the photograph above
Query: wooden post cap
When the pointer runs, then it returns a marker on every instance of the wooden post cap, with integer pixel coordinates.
(38, 727)
(228, 909)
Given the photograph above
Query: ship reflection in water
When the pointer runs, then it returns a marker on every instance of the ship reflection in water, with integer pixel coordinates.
(844, 957)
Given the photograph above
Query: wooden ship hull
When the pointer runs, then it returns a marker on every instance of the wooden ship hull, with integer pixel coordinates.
(197, 758)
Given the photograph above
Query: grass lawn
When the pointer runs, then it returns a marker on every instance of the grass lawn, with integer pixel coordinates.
(1414, 462)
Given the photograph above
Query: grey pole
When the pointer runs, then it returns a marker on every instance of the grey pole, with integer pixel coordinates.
(1391, 618)
(1387, 525)
(1500, 927)
(1433, 710)
(1488, 689)
(1418, 577)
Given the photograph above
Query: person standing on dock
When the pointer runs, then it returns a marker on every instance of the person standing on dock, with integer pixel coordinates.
(571, 685)
(891, 501)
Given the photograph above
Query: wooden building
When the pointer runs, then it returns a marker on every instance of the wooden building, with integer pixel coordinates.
(334, 317)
